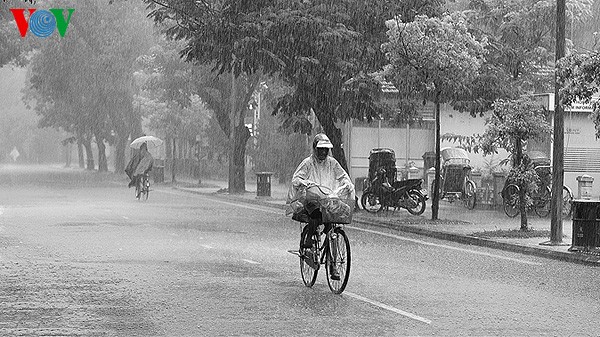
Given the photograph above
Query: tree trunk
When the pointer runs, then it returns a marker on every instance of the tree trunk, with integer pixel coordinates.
(232, 185)
(522, 189)
(435, 203)
(120, 147)
(237, 164)
(334, 134)
(80, 153)
(87, 144)
(173, 162)
(102, 163)
(68, 150)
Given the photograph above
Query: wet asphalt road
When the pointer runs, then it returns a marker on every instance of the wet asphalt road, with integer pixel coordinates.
(79, 256)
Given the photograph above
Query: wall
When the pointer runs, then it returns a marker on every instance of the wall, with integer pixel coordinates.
(463, 124)
(409, 144)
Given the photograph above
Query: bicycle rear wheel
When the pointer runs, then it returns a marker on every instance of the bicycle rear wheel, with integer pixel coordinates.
(338, 257)
(567, 202)
(511, 200)
(309, 263)
(146, 187)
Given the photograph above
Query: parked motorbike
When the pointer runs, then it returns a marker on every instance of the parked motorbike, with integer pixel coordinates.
(407, 194)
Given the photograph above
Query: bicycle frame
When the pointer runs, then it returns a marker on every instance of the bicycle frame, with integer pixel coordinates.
(322, 247)
(143, 186)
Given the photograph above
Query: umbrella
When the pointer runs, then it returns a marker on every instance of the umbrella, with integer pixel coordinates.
(150, 140)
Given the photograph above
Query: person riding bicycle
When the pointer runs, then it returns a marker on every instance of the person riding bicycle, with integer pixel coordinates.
(141, 163)
(319, 169)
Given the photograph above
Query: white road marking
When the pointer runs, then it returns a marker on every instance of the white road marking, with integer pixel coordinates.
(250, 261)
(388, 307)
(1, 210)
(398, 237)
(124, 217)
(207, 246)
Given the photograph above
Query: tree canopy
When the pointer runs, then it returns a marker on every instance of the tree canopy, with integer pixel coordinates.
(83, 83)
(435, 59)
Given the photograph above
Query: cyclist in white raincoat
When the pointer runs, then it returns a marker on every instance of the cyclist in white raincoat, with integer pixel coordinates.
(322, 170)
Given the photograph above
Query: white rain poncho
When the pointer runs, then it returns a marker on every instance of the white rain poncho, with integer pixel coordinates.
(328, 173)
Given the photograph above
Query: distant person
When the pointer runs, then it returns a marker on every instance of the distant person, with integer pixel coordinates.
(141, 163)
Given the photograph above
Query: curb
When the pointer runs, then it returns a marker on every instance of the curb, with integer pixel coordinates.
(584, 259)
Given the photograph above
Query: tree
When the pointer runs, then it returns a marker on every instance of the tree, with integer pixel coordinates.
(579, 79)
(315, 46)
(330, 52)
(519, 54)
(84, 82)
(436, 59)
(12, 47)
(510, 126)
(226, 35)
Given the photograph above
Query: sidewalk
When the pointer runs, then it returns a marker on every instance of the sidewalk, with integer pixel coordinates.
(459, 223)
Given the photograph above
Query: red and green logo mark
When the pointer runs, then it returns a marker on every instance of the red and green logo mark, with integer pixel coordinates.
(42, 23)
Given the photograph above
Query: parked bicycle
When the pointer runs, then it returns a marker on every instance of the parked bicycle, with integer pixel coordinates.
(541, 201)
(142, 188)
(541, 198)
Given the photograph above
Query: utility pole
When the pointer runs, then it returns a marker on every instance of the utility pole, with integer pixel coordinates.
(556, 226)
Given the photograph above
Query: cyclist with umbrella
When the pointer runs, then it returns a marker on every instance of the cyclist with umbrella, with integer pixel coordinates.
(141, 163)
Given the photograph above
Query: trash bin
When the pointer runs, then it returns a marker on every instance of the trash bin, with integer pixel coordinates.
(586, 225)
(158, 173)
(263, 184)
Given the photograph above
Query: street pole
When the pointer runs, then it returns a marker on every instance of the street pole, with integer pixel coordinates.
(556, 226)
(198, 159)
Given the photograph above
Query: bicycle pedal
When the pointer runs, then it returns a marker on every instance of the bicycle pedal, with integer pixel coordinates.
(295, 252)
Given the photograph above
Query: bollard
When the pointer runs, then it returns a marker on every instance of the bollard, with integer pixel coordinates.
(413, 172)
(430, 179)
(584, 186)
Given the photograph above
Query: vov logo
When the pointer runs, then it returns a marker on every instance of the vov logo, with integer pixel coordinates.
(42, 23)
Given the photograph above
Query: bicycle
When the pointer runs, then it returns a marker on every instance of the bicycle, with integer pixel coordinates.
(331, 250)
(541, 201)
(142, 187)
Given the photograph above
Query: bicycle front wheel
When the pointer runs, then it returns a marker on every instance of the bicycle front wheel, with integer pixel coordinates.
(309, 264)
(138, 190)
(542, 202)
(470, 196)
(338, 257)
